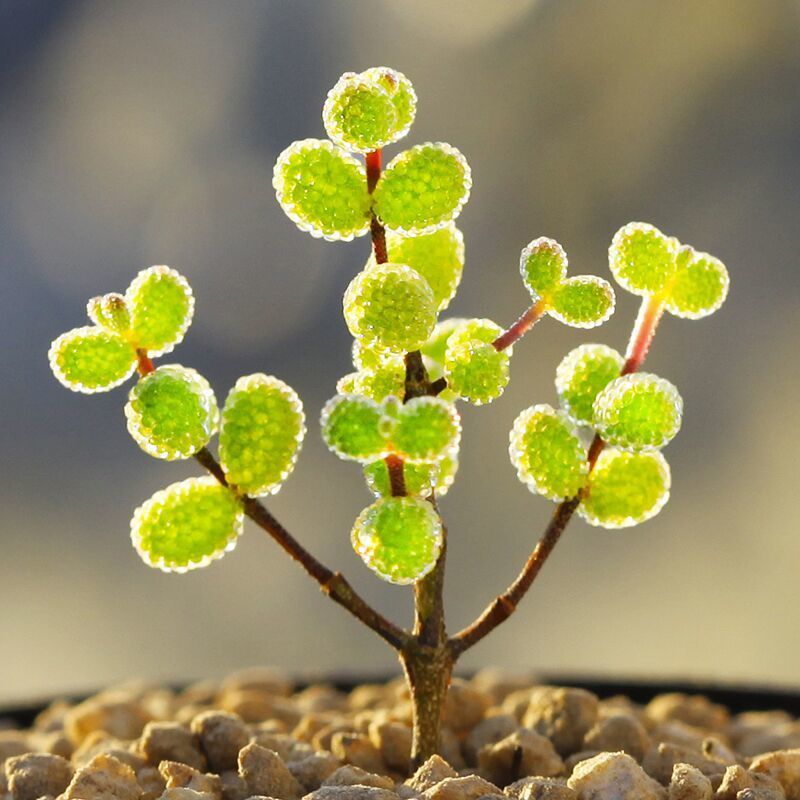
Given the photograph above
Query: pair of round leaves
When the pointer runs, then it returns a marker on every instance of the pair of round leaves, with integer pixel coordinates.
(583, 301)
(390, 307)
(323, 189)
(646, 262)
(638, 411)
(420, 480)
(623, 489)
(475, 369)
(423, 430)
(153, 315)
(398, 538)
(438, 257)
(366, 111)
(172, 413)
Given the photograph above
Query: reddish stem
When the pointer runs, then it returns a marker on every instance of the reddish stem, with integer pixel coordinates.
(396, 478)
(145, 364)
(521, 326)
(376, 229)
(643, 332)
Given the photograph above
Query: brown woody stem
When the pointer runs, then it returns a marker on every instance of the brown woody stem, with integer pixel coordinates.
(377, 231)
(504, 605)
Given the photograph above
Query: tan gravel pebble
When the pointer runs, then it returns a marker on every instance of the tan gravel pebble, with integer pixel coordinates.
(468, 787)
(784, 766)
(351, 793)
(433, 771)
(488, 731)
(222, 735)
(310, 771)
(564, 715)
(661, 759)
(180, 776)
(618, 732)
(524, 752)
(688, 783)
(393, 740)
(348, 775)
(357, 749)
(13, 743)
(464, 706)
(151, 781)
(36, 774)
(122, 719)
(696, 710)
(103, 778)
(233, 785)
(614, 776)
(264, 772)
(169, 741)
(262, 679)
(185, 794)
(532, 788)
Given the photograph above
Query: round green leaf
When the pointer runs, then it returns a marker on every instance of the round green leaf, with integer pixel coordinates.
(262, 430)
(582, 374)
(161, 305)
(437, 256)
(402, 94)
(427, 429)
(699, 287)
(187, 525)
(390, 307)
(353, 427)
(172, 412)
(398, 538)
(543, 265)
(110, 312)
(638, 412)
(584, 301)
(418, 478)
(323, 190)
(475, 370)
(641, 258)
(547, 452)
(91, 359)
(422, 189)
(625, 488)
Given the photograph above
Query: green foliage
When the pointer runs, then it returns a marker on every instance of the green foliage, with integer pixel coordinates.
(547, 452)
(402, 94)
(435, 348)
(699, 286)
(641, 258)
(367, 358)
(427, 428)
(582, 374)
(422, 189)
(543, 265)
(582, 302)
(437, 256)
(187, 525)
(626, 488)
(323, 190)
(386, 380)
(353, 428)
(420, 479)
(91, 359)
(110, 312)
(359, 114)
(638, 412)
(261, 433)
(161, 307)
(390, 307)
(398, 538)
(474, 368)
(172, 412)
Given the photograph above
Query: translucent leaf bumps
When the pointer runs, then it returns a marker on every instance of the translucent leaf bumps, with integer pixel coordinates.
(323, 190)
(353, 427)
(547, 452)
(390, 307)
(110, 312)
(474, 368)
(641, 258)
(625, 488)
(699, 287)
(582, 374)
(420, 479)
(91, 359)
(187, 525)
(426, 428)
(638, 412)
(172, 412)
(422, 189)
(543, 265)
(398, 538)
(367, 111)
(584, 301)
(437, 256)
(261, 433)
(161, 306)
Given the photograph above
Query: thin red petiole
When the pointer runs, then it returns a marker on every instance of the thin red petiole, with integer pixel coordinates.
(144, 363)
(521, 326)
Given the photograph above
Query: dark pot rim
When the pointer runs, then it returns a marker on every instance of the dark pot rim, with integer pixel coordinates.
(737, 697)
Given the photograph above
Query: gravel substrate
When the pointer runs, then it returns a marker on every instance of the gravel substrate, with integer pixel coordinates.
(252, 736)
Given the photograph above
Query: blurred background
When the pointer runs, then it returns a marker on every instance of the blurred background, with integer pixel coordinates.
(138, 133)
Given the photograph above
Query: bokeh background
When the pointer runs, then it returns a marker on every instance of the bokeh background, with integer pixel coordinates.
(134, 133)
